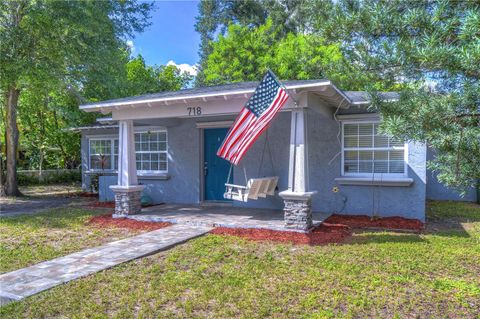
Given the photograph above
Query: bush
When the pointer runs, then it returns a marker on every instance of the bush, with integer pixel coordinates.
(49, 177)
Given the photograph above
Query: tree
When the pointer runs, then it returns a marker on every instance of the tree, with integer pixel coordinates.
(215, 16)
(432, 50)
(428, 51)
(58, 42)
(142, 78)
(244, 54)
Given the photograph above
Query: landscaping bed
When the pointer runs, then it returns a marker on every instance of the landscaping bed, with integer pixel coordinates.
(324, 234)
(104, 221)
(335, 229)
(363, 221)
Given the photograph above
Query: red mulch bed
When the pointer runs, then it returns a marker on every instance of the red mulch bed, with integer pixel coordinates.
(363, 221)
(324, 234)
(104, 221)
(87, 194)
(333, 230)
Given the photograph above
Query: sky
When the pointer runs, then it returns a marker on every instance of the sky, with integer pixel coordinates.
(171, 39)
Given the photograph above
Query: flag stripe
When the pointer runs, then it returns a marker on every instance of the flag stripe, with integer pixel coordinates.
(257, 132)
(239, 121)
(253, 119)
(251, 127)
(265, 118)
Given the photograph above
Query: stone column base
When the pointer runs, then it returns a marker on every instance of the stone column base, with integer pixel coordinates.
(298, 210)
(127, 200)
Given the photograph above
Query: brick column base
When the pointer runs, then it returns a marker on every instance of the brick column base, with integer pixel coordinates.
(297, 210)
(298, 214)
(127, 200)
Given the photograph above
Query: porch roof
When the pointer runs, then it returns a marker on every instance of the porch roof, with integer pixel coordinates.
(326, 89)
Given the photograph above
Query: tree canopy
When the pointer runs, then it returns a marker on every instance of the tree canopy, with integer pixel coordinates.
(428, 51)
(55, 55)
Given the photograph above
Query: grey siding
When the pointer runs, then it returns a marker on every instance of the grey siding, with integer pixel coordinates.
(437, 191)
(184, 186)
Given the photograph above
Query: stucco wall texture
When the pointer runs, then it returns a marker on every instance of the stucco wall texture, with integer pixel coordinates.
(184, 182)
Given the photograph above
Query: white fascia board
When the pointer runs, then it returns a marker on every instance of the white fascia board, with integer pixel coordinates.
(103, 105)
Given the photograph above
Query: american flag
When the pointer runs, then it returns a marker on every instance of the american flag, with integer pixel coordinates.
(254, 118)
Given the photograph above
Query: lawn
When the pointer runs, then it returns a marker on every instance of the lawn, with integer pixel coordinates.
(29, 239)
(435, 274)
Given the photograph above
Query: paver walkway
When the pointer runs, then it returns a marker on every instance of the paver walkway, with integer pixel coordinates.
(28, 281)
(219, 216)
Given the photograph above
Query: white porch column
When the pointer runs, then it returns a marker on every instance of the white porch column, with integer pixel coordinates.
(297, 198)
(127, 191)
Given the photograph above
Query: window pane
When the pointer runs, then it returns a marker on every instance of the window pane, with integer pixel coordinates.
(397, 167)
(365, 155)
(365, 167)
(351, 155)
(397, 155)
(162, 146)
(365, 129)
(163, 157)
(381, 141)
(163, 166)
(350, 167)
(350, 129)
(380, 166)
(162, 136)
(351, 141)
(381, 155)
(365, 141)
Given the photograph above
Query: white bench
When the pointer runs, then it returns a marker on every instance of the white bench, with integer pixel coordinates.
(256, 187)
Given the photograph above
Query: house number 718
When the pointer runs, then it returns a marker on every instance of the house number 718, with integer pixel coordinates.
(194, 111)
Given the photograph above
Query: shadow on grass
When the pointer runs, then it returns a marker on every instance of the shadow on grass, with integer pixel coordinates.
(64, 217)
(382, 237)
(448, 218)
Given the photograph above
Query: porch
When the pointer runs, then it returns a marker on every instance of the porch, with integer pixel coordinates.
(219, 216)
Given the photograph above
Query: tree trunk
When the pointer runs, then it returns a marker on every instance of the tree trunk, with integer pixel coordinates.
(11, 186)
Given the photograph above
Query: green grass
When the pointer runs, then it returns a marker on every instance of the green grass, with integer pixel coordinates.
(29, 239)
(435, 274)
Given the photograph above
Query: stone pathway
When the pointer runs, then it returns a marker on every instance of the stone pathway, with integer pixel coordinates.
(28, 281)
(219, 216)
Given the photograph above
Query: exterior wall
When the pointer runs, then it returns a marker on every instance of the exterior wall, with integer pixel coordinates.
(184, 179)
(437, 191)
(86, 177)
(323, 146)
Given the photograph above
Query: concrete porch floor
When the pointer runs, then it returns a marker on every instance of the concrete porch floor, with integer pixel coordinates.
(219, 216)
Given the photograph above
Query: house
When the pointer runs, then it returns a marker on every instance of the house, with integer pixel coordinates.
(324, 146)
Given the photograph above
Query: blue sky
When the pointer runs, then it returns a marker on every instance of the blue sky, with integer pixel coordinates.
(172, 35)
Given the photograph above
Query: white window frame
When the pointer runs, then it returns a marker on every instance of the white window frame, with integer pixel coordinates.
(112, 157)
(372, 175)
(113, 138)
(153, 172)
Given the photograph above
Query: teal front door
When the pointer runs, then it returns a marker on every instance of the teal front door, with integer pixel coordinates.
(215, 168)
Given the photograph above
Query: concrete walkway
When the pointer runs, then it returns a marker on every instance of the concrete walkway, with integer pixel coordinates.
(28, 281)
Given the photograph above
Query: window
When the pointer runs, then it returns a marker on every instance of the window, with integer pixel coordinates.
(151, 152)
(366, 152)
(100, 155)
(150, 147)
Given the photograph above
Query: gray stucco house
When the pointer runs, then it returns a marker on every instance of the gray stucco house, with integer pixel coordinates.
(325, 149)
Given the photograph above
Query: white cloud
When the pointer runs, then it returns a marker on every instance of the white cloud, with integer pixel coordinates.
(131, 45)
(190, 69)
